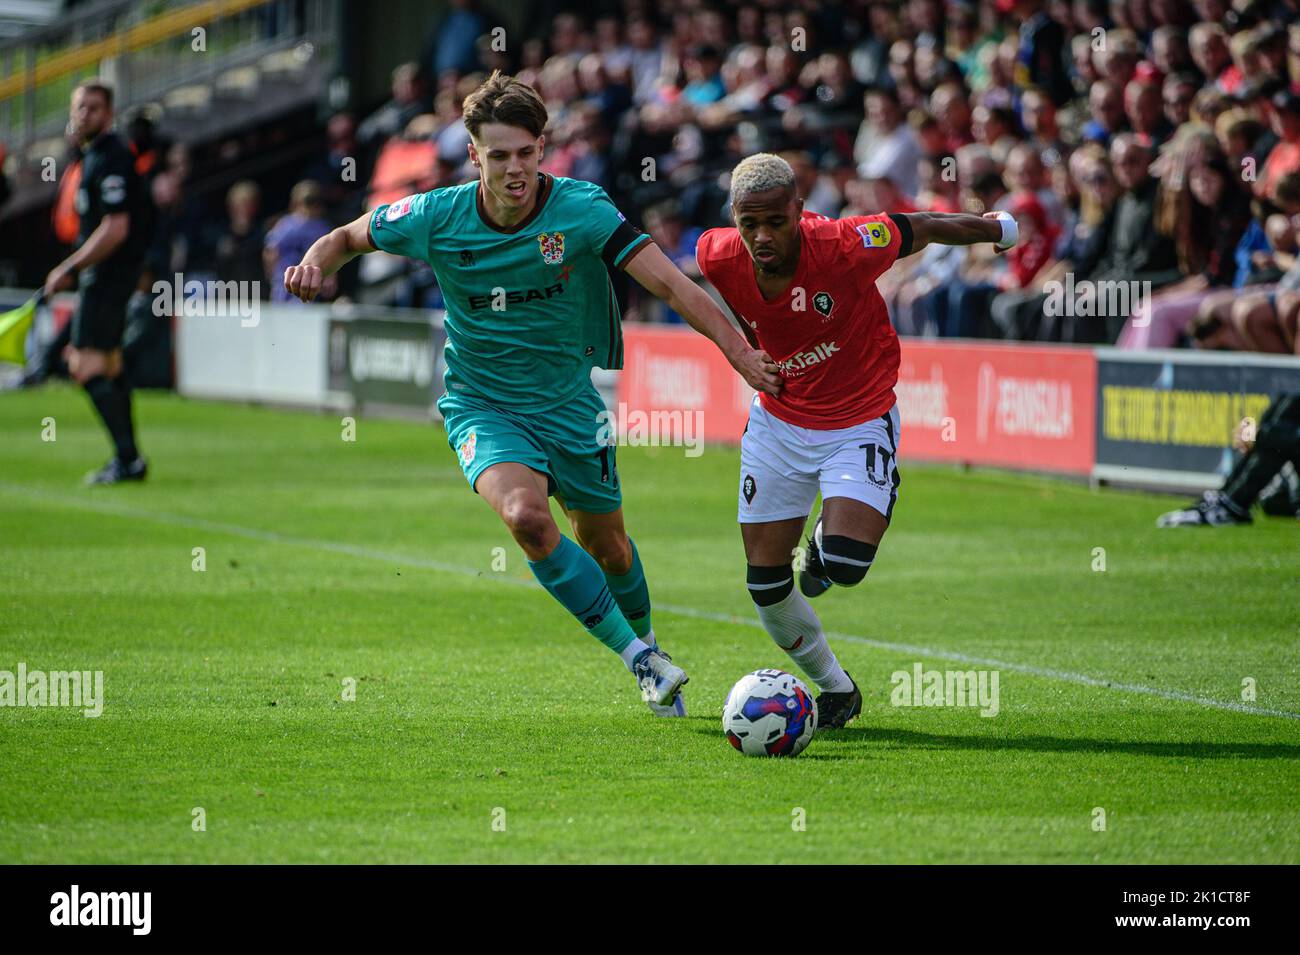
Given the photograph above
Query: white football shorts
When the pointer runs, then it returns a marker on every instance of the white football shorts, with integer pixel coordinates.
(782, 466)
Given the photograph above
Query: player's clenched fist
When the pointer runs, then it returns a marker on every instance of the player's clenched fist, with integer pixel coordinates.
(303, 281)
(759, 370)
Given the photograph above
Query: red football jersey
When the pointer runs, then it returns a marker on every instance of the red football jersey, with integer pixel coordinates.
(829, 331)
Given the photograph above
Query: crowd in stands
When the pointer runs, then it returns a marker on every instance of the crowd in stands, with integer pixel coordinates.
(1154, 142)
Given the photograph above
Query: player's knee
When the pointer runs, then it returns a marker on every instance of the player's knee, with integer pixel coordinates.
(85, 365)
(1260, 321)
(612, 552)
(1248, 309)
(769, 585)
(530, 523)
(80, 368)
(846, 560)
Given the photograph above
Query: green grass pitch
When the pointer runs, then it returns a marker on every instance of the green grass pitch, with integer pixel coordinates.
(479, 701)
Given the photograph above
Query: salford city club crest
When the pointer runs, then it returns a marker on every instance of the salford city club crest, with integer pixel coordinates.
(552, 245)
(823, 302)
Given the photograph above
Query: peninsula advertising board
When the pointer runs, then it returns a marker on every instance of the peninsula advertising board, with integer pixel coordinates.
(1000, 405)
(1015, 406)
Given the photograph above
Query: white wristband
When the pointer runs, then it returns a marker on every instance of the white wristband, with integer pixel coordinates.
(1010, 231)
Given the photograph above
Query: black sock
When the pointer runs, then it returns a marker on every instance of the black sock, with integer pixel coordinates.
(128, 451)
(113, 402)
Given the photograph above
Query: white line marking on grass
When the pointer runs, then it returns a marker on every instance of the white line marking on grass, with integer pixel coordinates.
(1064, 676)
(369, 553)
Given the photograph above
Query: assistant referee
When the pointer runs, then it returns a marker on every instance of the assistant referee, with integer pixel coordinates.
(109, 257)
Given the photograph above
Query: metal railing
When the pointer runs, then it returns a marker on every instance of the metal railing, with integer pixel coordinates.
(149, 52)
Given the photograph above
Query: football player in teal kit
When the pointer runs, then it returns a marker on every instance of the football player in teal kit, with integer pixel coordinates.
(523, 261)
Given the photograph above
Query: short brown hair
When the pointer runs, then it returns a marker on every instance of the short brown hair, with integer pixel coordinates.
(1286, 192)
(503, 99)
(95, 86)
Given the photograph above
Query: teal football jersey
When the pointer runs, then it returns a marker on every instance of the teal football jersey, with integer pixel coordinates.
(530, 309)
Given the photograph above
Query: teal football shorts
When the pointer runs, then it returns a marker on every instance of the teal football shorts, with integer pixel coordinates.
(567, 444)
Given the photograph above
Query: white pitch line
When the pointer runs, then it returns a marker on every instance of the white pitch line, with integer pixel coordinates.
(369, 553)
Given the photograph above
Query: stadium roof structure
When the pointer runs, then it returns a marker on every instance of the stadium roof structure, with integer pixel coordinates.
(202, 69)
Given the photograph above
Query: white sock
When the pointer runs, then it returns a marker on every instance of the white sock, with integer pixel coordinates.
(649, 638)
(794, 625)
(632, 651)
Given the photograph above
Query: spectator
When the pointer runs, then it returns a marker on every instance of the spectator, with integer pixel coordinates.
(939, 191)
(1083, 74)
(1283, 158)
(646, 57)
(1117, 59)
(338, 171)
(450, 137)
(1038, 114)
(1176, 97)
(1293, 56)
(1264, 317)
(1024, 172)
(393, 117)
(1209, 47)
(1170, 51)
(747, 88)
(1208, 214)
(1208, 105)
(239, 247)
(450, 47)
(1106, 108)
(827, 195)
(1039, 54)
(677, 240)
(995, 127)
(948, 105)
(870, 58)
(1133, 251)
(1142, 107)
(886, 146)
(291, 237)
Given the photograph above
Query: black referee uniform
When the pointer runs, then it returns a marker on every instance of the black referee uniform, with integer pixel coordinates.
(109, 185)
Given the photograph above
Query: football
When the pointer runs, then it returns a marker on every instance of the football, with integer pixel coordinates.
(769, 713)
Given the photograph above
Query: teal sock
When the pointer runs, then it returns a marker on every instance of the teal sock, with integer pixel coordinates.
(573, 577)
(633, 595)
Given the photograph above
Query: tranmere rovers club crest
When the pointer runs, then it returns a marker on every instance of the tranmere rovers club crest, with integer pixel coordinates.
(552, 244)
(467, 448)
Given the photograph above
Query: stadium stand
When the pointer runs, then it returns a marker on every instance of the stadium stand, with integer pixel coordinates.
(1152, 142)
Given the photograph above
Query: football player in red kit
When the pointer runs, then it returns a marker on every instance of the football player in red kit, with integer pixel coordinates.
(803, 287)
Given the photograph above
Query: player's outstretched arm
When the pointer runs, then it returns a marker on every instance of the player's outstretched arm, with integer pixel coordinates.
(665, 281)
(327, 255)
(961, 228)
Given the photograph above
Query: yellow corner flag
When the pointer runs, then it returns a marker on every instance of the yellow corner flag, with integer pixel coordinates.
(14, 326)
